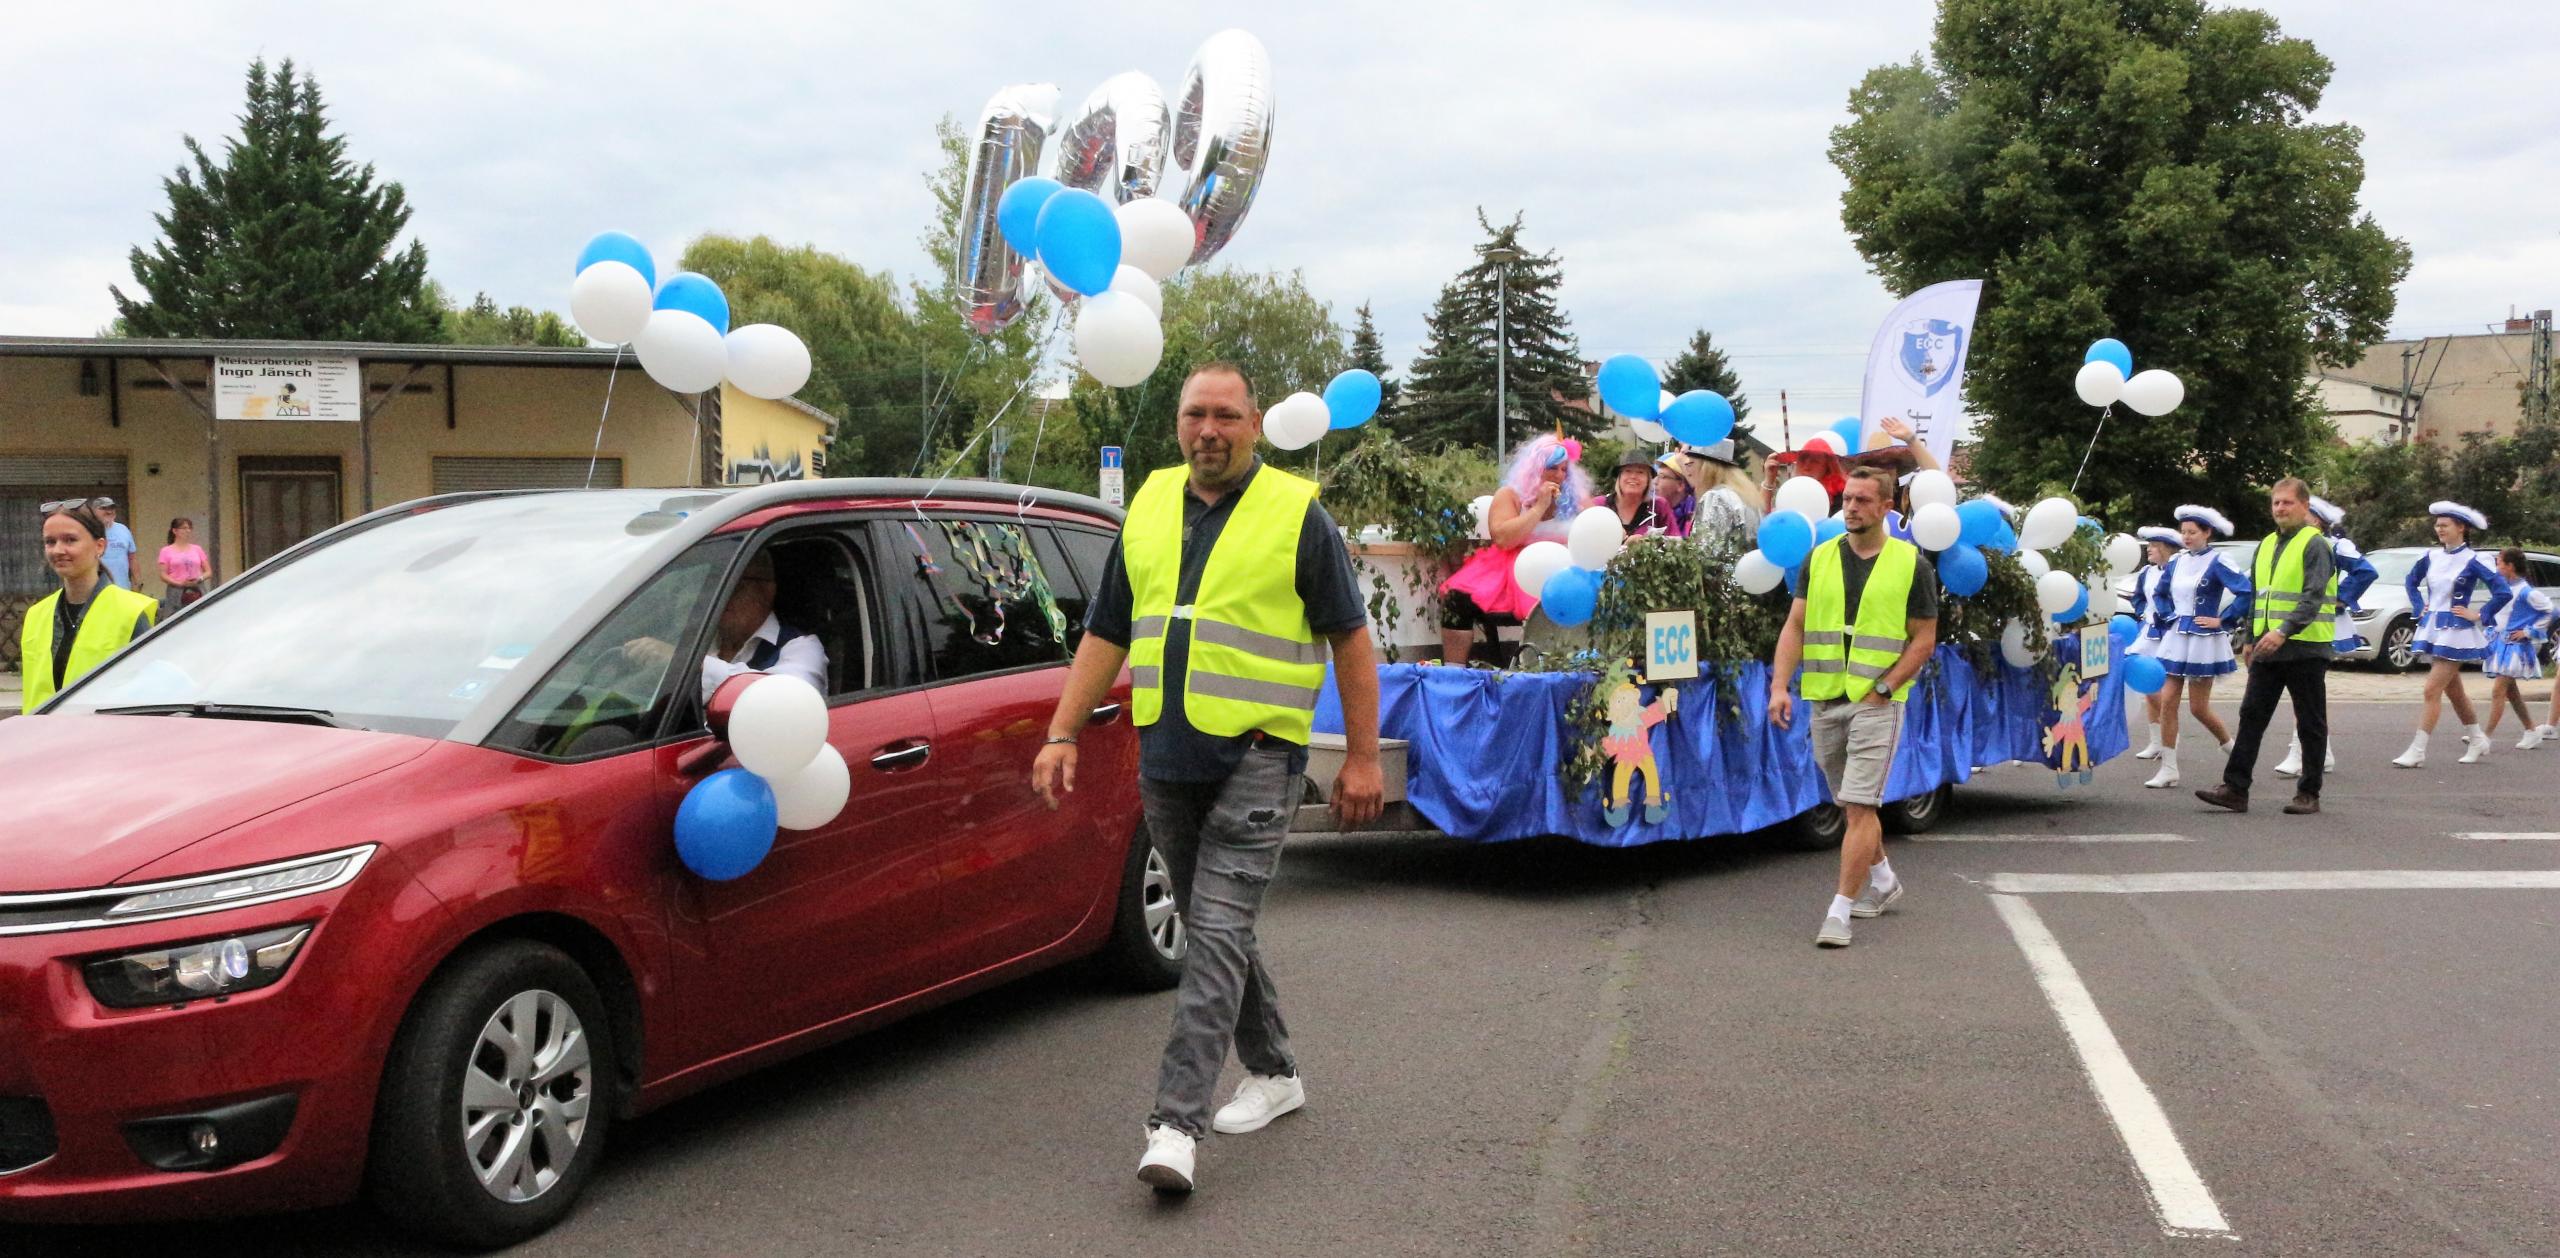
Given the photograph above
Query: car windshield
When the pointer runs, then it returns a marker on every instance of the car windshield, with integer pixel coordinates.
(402, 626)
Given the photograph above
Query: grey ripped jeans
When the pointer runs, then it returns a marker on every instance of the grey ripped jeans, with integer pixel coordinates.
(1222, 840)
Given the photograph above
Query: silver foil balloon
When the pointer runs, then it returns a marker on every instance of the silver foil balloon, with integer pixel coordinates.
(1011, 131)
(1115, 144)
(1222, 136)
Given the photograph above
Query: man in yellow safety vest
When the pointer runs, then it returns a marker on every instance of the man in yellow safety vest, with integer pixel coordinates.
(1864, 621)
(2292, 619)
(1227, 588)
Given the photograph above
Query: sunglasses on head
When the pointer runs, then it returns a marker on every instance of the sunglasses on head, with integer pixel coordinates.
(67, 504)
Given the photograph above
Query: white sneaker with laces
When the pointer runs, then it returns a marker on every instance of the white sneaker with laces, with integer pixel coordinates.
(1261, 1099)
(1167, 1164)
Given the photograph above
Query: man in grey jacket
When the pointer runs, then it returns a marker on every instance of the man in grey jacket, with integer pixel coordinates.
(2295, 621)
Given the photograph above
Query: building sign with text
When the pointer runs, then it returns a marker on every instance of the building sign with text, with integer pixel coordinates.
(288, 387)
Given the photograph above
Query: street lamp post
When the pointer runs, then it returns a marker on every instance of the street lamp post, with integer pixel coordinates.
(1501, 256)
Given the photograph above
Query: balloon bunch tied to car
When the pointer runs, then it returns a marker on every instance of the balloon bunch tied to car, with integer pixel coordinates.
(680, 329)
(788, 776)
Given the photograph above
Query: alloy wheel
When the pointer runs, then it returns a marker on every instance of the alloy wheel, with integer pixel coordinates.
(1163, 910)
(526, 1091)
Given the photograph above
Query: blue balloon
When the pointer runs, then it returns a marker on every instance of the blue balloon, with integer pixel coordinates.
(1698, 417)
(1018, 212)
(2144, 675)
(1962, 569)
(2004, 540)
(618, 247)
(1980, 522)
(725, 825)
(1786, 538)
(1570, 596)
(1850, 430)
(694, 293)
(2123, 629)
(2110, 350)
(1352, 398)
(2079, 608)
(1827, 528)
(1079, 240)
(1630, 387)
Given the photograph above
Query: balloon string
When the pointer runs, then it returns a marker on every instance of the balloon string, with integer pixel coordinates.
(916, 504)
(2093, 449)
(598, 448)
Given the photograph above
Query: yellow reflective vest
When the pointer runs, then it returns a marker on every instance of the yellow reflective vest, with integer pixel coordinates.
(1842, 660)
(2280, 593)
(1254, 662)
(104, 631)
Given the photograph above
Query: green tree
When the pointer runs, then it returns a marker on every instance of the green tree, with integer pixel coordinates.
(483, 323)
(1265, 322)
(2132, 168)
(286, 239)
(1450, 393)
(864, 351)
(1368, 355)
(1702, 366)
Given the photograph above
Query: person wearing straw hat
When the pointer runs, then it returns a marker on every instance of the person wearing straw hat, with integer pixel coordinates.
(2355, 575)
(2451, 631)
(2150, 608)
(2293, 608)
(2202, 593)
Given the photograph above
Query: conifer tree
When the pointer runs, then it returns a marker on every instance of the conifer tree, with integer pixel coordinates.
(1450, 395)
(1368, 355)
(286, 239)
(1702, 366)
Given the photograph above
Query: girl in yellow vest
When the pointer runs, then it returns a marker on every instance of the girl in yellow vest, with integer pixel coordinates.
(89, 619)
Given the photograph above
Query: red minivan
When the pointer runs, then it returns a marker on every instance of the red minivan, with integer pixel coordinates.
(359, 877)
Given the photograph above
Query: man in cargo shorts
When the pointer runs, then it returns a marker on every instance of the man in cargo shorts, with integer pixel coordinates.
(1864, 621)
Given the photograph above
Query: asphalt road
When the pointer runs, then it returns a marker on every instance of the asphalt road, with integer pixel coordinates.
(1547, 1049)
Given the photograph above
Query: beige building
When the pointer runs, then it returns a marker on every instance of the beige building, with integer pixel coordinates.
(2438, 388)
(327, 432)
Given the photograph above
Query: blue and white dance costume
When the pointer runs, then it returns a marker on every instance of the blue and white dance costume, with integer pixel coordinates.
(2199, 583)
(2442, 581)
(2355, 575)
(2149, 585)
(2529, 613)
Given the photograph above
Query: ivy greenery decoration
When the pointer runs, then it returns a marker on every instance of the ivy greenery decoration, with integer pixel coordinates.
(1420, 500)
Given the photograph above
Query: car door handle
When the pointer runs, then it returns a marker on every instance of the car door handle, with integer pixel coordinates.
(900, 756)
(1102, 715)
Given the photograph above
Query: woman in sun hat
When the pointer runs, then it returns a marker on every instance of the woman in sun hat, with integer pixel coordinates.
(2159, 545)
(2442, 589)
(2202, 593)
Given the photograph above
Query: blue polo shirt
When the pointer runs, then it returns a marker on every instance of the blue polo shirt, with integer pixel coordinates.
(119, 557)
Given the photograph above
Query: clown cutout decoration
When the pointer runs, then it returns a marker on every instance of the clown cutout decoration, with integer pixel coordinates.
(1629, 746)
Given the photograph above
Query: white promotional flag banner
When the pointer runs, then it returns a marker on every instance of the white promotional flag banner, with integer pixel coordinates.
(1916, 368)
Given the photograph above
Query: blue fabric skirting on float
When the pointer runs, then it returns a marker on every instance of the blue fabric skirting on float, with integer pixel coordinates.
(1486, 747)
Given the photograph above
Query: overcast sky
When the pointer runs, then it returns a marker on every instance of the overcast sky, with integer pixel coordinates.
(1672, 154)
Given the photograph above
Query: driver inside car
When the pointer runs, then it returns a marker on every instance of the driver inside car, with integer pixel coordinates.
(749, 638)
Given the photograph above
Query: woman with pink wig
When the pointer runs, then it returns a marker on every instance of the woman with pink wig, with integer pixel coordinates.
(1537, 500)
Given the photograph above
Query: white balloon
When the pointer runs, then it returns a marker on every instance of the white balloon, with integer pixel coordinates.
(1482, 510)
(2036, 566)
(767, 361)
(1935, 526)
(2099, 383)
(1538, 561)
(1155, 236)
(1297, 421)
(1118, 340)
(2056, 592)
(777, 726)
(1930, 485)
(1805, 495)
(610, 302)
(1754, 573)
(2013, 645)
(2102, 602)
(812, 797)
(1129, 279)
(2154, 392)
(2124, 554)
(2049, 523)
(1595, 538)
(1648, 430)
(681, 351)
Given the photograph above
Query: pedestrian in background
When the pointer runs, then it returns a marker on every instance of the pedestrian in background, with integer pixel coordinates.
(183, 566)
(2515, 652)
(2202, 594)
(2442, 586)
(117, 563)
(80, 626)
(2292, 619)
(2159, 545)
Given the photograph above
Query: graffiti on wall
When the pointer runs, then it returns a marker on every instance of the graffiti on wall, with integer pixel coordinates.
(762, 468)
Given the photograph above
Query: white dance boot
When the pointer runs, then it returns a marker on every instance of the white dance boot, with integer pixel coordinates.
(2168, 774)
(2416, 755)
(2291, 765)
(2151, 750)
(2478, 745)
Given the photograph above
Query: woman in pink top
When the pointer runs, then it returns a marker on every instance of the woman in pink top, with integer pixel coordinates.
(183, 566)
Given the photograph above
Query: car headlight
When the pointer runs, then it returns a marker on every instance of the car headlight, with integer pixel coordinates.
(256, 885)
(195, 971)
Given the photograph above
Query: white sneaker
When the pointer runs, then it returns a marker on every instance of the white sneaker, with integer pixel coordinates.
(1261, 1099)
(2291, 765)
(2532, 739)
(1834, 933)
(2476, 750)
(2168, 774)
(1167, 1165)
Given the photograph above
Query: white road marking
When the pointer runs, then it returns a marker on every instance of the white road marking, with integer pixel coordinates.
(2284, 880)
(2050, 838)
(2178, 1194)
(2509, 836)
